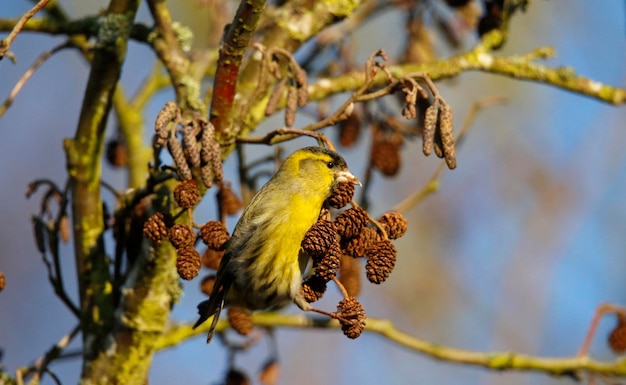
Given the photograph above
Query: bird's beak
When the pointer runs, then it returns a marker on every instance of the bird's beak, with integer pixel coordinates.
(347, 177)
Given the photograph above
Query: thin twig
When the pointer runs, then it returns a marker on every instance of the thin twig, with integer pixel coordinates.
(29, 72)
(284, 134)
(41, 364)
(603, 309)
(5, 44)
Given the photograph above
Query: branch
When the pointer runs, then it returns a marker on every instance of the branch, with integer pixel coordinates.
(517, 67)
(84, 154)
(41, 365)
(233, 48)
(287, 27)
(87, 26)
(5, 44)
(565, 366)
(29, 72)
(170, 51)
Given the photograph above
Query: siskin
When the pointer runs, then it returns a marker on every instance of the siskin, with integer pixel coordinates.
(262, 266)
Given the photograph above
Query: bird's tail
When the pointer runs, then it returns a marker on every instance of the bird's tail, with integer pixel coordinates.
(212, 307)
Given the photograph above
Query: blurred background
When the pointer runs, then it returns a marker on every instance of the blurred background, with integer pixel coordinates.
(515, 251)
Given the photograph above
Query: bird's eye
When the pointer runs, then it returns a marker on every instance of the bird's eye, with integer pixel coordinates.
(330, 164)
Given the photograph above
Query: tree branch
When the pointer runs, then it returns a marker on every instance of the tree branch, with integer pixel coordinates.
(87, 26)
(84, 154)
(517, 67)
(565, 366)
(231, 54)
(168, 48)
(5, 44)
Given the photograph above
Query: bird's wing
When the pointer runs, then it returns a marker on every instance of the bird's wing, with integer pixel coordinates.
(215, 303)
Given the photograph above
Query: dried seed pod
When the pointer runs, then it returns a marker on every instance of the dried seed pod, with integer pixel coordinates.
(181, 235)
(117, 153)
(207, 141)
(617, 337)
(300, 77)
(303, 96)
(437, 145)
(342, 195)
(430, 125)
(386, 156)
(188, 262)
(176, 150)
(381, 261)
(326, 267)
(206, 174)
(211, 155)
(191, 144)
(395, 224)
(291, 107)
(65, 232)
(358, 246)
(313, 288)
(228, 200)
(168, 114)
(349, 130)
(447, 135)
(216, 162)
(275, 96)
(240, 320)
(155, 227)
(350, 222)
(352, 317)
(186, 194)
(270, 373)
(207, 284)
(3, 281)
(215, 235)
(349, 275)
(319, 239)
(211, 258)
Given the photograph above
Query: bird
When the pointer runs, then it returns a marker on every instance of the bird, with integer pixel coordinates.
(262, 266)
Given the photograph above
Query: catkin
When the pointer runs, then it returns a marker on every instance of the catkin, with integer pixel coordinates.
(430, 125)
(291, 107)
(447, 135)
(176, 150)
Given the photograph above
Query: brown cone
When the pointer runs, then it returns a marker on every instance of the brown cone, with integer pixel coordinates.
(353, 317)
(350, 222)
(395, 224)
(181, 235)
(186, 194)
(381, 261)
(155, 228)
(215, 235)
(320, 238)
(188, 262)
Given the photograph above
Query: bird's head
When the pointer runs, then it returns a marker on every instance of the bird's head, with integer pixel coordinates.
(317, 169)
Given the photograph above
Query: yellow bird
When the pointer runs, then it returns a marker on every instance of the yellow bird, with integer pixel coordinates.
(262, 266)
